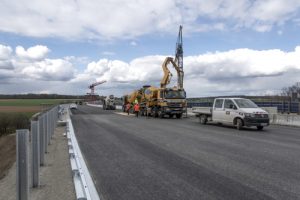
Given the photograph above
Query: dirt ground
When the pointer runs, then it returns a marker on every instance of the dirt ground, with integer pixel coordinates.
(20, 108)
(7, 153)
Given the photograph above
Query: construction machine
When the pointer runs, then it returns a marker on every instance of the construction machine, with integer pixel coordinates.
(162, 101)
(132, 98)
(167, 100)
(109, 103)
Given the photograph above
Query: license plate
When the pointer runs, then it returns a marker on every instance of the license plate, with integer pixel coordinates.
(264, 124)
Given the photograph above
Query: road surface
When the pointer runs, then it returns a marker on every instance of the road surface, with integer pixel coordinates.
(145, 158)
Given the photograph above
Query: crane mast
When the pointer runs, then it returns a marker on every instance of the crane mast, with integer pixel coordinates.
(179, 57)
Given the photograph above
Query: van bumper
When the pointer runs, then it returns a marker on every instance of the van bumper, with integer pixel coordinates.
(256, 121)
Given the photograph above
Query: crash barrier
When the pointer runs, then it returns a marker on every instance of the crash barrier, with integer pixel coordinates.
(84, 186)
(42, 130)
(285, 119)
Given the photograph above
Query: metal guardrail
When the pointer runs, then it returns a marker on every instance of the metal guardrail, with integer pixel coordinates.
(42, 130)
(84, 185)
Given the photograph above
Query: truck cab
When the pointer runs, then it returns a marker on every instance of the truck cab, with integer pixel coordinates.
(172, 102)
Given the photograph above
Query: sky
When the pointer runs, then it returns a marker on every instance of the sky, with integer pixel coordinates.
(231, 47)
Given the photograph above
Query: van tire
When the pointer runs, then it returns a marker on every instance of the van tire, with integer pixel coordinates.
(203, 119)
(239, 124)
(260, 128)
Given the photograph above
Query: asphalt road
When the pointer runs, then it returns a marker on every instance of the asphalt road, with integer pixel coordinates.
(162, 159)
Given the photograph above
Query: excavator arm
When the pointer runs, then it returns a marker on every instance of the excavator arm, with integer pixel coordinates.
(167, 74)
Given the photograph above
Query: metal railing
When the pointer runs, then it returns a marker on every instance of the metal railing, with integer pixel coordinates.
(83, 183)
(42, 130)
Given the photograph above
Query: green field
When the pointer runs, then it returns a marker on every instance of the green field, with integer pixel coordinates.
(16, 113)
(31, 102)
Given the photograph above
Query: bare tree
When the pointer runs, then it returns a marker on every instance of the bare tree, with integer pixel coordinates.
(292, 91)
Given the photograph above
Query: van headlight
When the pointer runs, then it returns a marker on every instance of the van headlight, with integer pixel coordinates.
(249, 115)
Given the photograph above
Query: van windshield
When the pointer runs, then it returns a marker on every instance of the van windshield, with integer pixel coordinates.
(245, 103)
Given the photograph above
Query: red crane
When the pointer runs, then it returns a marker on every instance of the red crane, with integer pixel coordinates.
(91, 97)
(92, 87)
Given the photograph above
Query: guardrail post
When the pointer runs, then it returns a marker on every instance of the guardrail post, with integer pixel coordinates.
(48, 128)
(42, 139)
(45, 133)
(35, 141)
(22, 142)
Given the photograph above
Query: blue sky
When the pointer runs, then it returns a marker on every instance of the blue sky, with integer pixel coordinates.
(230, 47)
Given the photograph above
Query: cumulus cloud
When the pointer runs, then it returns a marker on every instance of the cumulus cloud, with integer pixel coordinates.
(239, 71)
(5, 52)
(49, 69)
(5, 58)
(37, 52)
(32, 64)
(132, 19)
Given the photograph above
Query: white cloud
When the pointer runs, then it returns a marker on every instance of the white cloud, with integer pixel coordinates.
(239, 71)
(49, 69)
(5, 58)
(80, 19)
(108, 53)
(133, 43)
(5, 52)
(37, 52)
(32, 64)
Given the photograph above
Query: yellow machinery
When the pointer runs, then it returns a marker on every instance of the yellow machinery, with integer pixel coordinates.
(162, 101)
(132, 98)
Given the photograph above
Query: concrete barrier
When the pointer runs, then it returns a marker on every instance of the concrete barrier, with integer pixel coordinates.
(285, 119)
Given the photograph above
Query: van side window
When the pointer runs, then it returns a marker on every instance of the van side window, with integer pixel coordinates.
(227, 104)
(219, 103)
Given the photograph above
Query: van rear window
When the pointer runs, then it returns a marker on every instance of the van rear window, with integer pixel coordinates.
(219, 103)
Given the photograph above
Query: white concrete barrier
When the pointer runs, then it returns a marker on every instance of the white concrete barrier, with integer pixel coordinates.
(285, 119)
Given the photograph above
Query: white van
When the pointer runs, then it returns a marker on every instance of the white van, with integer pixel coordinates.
(235, 111)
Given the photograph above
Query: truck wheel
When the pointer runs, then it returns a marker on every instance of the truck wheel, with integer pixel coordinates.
(260, 128)
(239, 124)
(160, 113)
(203, 119)
(178, 116)
(170, 116)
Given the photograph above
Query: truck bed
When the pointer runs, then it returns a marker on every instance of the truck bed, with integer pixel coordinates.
(202, 110)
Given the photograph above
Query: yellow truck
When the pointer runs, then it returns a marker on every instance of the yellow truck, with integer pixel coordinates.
(163, 100)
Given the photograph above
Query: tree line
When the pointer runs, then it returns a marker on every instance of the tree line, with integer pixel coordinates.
(40, 96)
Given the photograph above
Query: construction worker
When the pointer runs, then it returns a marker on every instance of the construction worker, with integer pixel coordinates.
(128, 105)
(136, 109)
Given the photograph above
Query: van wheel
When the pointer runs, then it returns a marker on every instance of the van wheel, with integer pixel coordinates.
(259, 128)
(239, 124)
(203, 119)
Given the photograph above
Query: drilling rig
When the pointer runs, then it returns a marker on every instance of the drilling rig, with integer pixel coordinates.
(91, 97)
